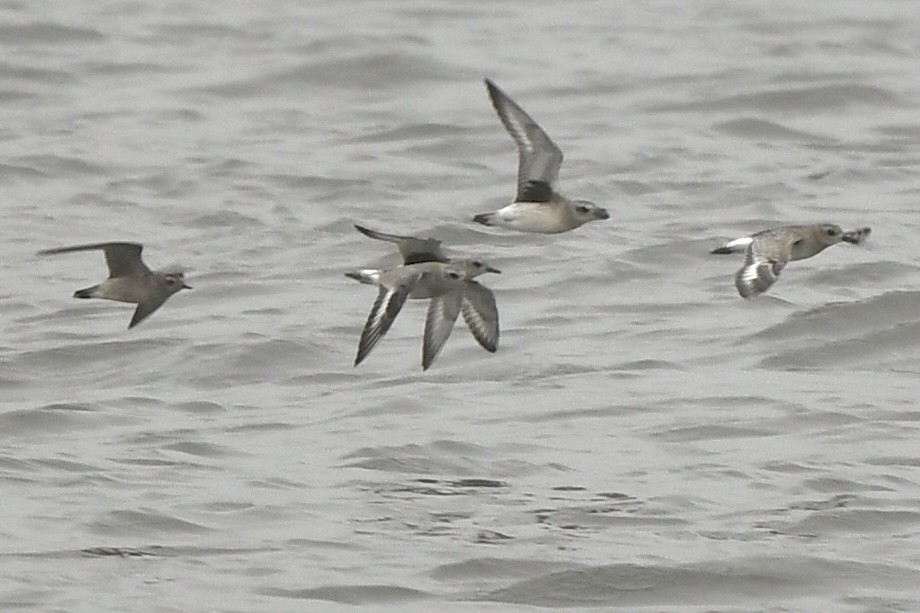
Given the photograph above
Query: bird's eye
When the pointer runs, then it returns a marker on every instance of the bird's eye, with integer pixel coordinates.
(477, 263)
(832, 232)
(582, 208)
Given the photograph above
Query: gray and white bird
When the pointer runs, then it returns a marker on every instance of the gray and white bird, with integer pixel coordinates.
(766, 253)
(442, 284)
(480, 312)
(129, 278)
(537, 206)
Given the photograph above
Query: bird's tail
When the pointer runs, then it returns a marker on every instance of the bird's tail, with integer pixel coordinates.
(736, 246)
(89, 292)
(485, 219)
(366, 275)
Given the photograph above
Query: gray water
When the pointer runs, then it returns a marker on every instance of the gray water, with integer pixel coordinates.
(642, 438)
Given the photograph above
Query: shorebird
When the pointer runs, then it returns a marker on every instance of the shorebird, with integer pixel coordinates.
(428, 274)
(129, 278)
(478, 306)
(768, 251)
(537, 207)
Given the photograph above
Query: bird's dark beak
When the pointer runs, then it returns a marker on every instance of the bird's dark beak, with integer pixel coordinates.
(602, 214)
(854, 237)
(186, 286)
(495, 270)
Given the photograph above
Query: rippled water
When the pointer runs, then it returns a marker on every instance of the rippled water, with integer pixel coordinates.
(642, 438)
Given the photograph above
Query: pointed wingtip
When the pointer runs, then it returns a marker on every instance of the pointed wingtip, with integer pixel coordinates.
(495, 92)
(142, 312)
(362, 352)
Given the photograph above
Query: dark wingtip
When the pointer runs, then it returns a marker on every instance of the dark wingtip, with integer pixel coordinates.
(483, 218)
(359, 357)
(353, 275)
(495, 92)
(721, 250)
(363, 230)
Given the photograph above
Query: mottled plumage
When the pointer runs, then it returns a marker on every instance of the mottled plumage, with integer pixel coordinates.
(766, 253)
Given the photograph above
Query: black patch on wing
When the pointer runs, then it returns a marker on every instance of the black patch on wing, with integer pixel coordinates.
(535, 191)
(420, 257)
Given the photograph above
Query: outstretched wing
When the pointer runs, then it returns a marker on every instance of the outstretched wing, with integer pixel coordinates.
(481, 314)
(442, 313)
(760, 270)
(539, 158)
(144, 309)
(412, 249)
(123, 259)
(386, 307)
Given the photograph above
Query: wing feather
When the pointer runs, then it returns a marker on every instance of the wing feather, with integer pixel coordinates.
(539, 158)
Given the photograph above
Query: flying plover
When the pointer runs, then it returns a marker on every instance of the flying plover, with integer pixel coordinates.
(537, 207)
(129, 278)
(768, 251)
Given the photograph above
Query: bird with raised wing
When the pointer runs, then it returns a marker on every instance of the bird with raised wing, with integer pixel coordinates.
(129, 278)
(537, 206)
(444, 284)
(766, 253)
(478, 306)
